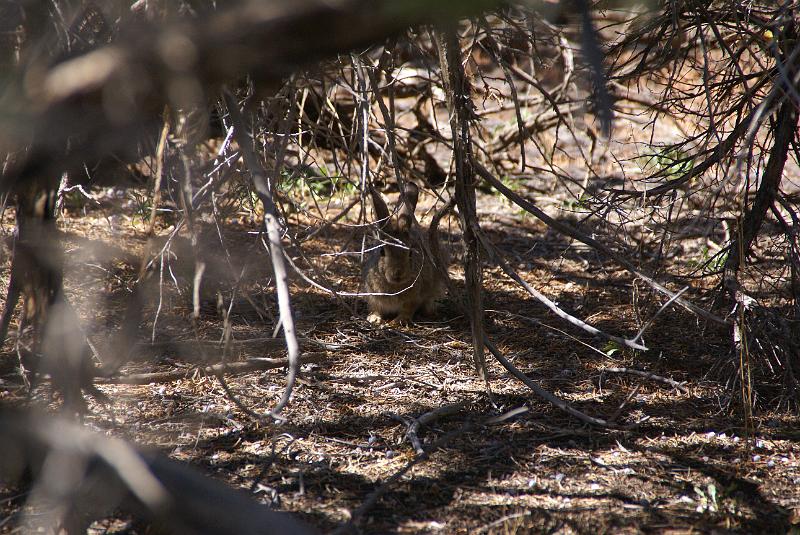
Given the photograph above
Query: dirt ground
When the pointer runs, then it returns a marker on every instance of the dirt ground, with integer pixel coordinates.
(686, 466)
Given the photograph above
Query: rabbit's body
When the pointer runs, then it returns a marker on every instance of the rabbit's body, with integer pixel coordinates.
(400, 278)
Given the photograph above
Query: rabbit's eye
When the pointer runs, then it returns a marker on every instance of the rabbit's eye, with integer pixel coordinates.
(383, 251)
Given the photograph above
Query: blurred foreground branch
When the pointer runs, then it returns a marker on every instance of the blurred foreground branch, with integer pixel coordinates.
(81, 476)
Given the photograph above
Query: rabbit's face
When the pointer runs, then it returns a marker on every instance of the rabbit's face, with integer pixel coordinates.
(395, 263)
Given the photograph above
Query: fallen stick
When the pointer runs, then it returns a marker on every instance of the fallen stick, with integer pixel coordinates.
(647, 375)
(427, 418)
(231, 367)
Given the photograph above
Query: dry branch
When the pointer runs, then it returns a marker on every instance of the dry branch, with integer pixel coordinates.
(462, 116)
(495, 255)
(426, 419)
(274, 232)
(106, 475)
(591, 242)
(785, 132)
(651, 376)
(547, 396)
(247, 366)
(544, 394)
(181, 64)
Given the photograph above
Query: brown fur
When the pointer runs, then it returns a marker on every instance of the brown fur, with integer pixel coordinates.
(400, 269)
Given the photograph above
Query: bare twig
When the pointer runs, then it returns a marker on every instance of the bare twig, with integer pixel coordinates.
(158, 171)
(622, 405)
(272, 222)
(651, 376)
(785, 127)
(247, 366)
(494, 254)
(591, 242)
(547, 396)
(427, 418)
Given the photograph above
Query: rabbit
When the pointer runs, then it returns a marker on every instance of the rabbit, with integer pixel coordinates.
(400, 277)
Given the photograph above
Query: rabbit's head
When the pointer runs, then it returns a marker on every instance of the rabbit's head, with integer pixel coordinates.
(396, 261)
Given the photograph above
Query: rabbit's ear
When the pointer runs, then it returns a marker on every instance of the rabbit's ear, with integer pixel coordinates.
(381, 210)
(410, 196)
(407, 204)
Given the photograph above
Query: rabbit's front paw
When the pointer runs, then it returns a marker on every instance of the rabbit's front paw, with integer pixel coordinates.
(375, 318)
